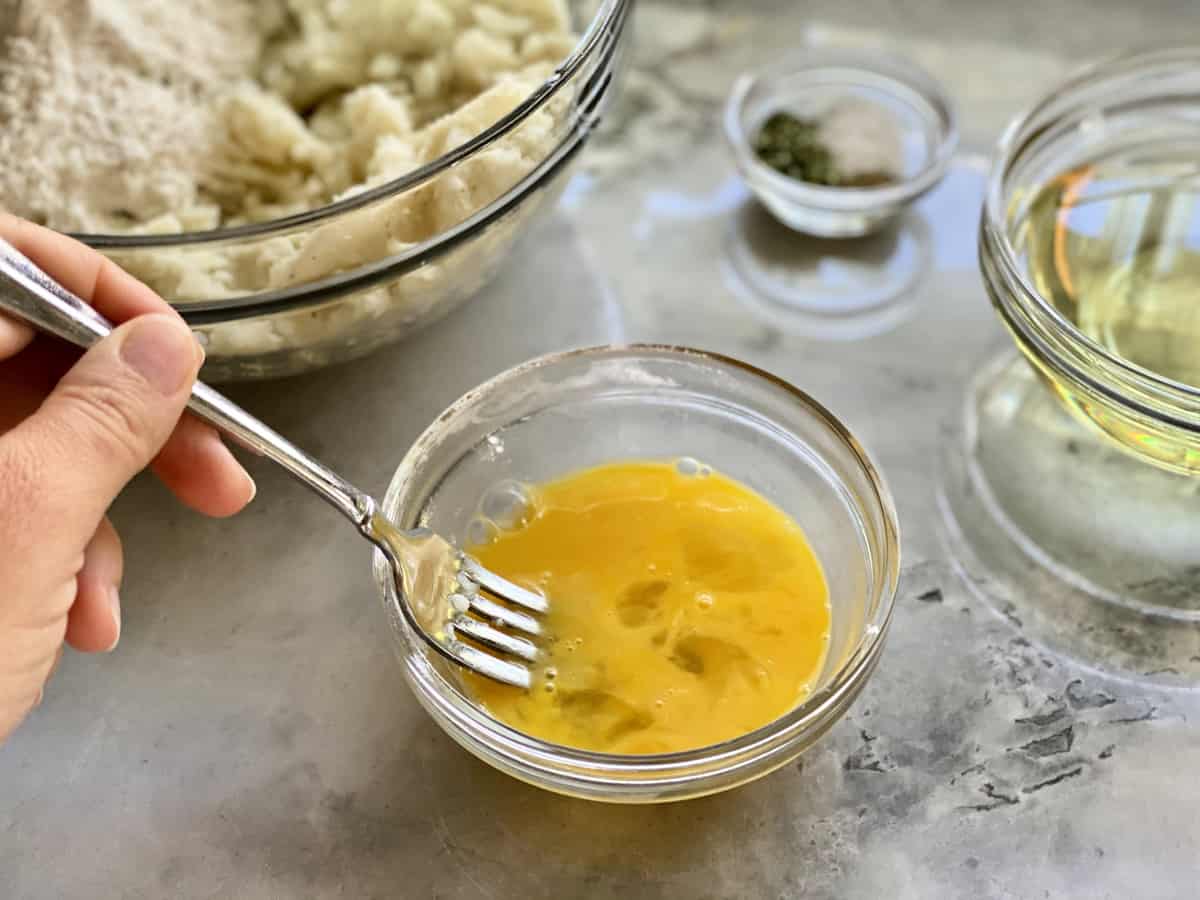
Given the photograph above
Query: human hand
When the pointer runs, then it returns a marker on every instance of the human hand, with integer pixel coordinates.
(73, 431)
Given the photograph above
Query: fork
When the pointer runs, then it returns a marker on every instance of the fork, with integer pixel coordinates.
(465, 612)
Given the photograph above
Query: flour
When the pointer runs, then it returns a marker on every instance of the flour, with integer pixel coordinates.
(153, 117)
(106, 107)
(166, 116)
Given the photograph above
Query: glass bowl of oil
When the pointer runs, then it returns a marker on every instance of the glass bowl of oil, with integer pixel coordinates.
(1090, 248)
(1072, 482)
(572, 411)
(880, 100)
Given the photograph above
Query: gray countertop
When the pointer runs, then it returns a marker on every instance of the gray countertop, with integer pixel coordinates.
(252, 737)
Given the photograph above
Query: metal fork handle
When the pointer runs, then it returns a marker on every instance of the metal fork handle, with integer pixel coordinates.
(32, 296)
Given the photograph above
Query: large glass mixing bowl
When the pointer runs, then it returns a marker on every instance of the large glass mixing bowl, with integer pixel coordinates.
(358, 292)
(1071, 489)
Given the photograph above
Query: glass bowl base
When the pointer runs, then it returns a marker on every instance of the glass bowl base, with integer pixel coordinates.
(1085, 548)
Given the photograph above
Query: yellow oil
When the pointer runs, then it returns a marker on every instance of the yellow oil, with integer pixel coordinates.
(1115, 245)
(685, 609)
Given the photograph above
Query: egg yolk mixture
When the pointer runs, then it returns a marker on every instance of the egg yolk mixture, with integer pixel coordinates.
(685, 610)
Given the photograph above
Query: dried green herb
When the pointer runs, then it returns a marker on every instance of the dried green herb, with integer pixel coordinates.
(792, 146)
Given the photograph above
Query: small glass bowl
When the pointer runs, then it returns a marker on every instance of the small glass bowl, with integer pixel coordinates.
(808, 81)
(1124, 107)
(581, 408)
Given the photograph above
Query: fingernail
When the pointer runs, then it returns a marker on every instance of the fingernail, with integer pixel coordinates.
(253, 488)
(200, 354)
(114, 602)
(160, 348)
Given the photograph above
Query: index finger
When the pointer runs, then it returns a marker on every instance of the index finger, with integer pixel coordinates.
(116, 294)
(195, 464)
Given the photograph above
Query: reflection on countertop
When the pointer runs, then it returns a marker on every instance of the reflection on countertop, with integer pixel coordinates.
(844, 289)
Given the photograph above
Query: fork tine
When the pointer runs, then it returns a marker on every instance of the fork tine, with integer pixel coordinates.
(493, 637)
(502, 587)
(499, 614)
(486, 664)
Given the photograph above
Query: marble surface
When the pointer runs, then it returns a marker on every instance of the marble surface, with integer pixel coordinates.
(252, 737)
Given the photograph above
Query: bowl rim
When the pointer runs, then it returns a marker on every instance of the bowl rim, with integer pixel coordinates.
(878, 65)
(1057, 339)
(806, 716)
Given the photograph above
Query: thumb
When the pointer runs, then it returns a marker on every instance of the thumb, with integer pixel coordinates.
(107, 419)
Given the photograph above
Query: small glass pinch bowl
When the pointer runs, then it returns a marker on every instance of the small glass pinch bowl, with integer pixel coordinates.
(581, 408)
(805, 83)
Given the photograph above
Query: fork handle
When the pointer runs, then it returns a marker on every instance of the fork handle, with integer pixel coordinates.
(30, 295)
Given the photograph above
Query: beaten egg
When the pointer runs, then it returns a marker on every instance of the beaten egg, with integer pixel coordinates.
(685, 609)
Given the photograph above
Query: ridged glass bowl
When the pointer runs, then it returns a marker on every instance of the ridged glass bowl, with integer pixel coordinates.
(1071, 474)
(350, 292)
